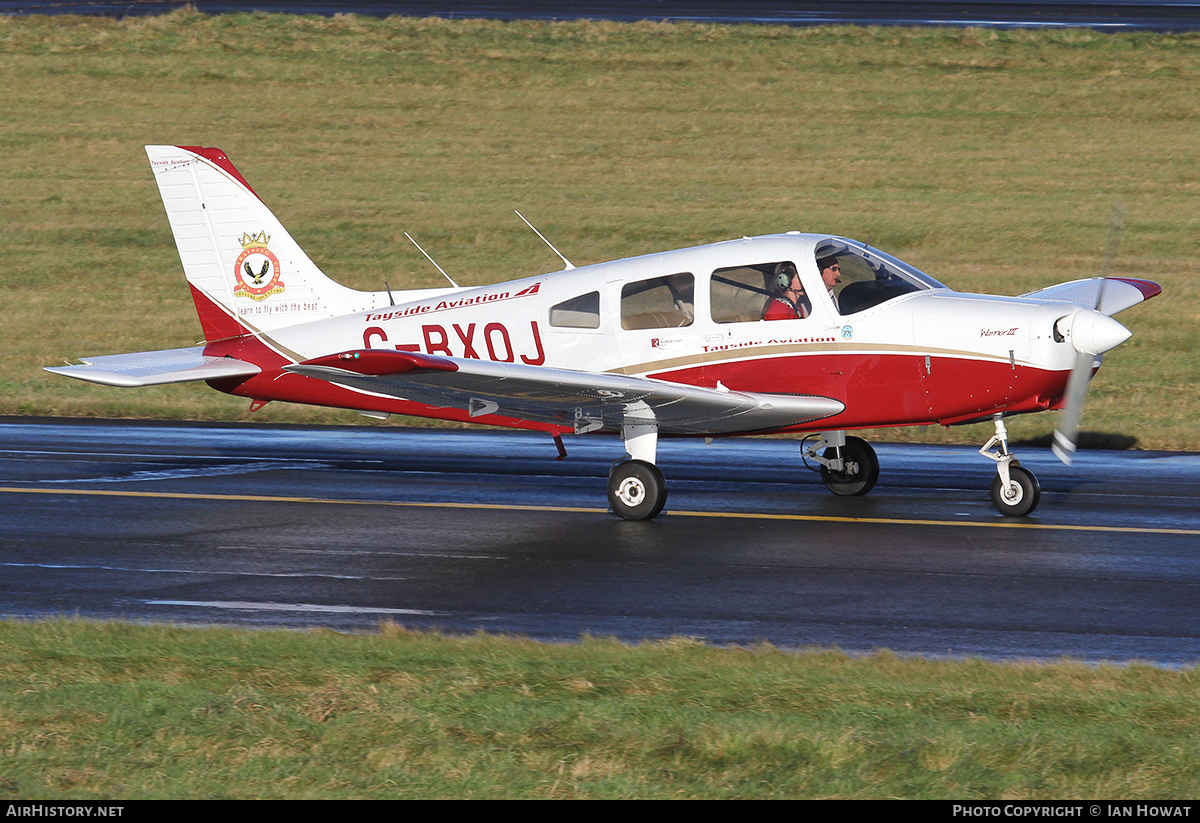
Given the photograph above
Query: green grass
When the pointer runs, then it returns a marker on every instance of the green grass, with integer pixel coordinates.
(989, 158)
(112, 711)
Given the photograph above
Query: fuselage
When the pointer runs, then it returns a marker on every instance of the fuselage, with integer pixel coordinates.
(896, 347)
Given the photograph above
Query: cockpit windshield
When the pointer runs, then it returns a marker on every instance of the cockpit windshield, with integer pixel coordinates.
(861, 277)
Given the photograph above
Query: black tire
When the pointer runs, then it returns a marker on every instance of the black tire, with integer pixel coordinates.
(636, 490)
(861, 472)
(1022, 495)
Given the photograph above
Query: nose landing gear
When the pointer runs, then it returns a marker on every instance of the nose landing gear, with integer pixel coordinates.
(1015, 491)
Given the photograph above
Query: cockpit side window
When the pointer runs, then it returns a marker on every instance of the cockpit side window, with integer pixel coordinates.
(582, 312)
(659, 303)
(860, 278)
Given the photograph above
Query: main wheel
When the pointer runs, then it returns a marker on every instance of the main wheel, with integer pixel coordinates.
(1020, 497)
(861, 469)
(636, 490)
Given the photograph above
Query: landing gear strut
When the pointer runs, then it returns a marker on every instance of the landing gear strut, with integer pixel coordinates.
(1015, 491)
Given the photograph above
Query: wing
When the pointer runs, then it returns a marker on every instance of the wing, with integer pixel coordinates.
(586, 401)
(1119, 293)
(151, 368)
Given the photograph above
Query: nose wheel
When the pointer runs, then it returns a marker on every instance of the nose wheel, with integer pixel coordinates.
(1019, 496)
(636, 490)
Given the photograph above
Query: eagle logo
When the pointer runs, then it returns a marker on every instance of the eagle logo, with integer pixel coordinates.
(256, 272)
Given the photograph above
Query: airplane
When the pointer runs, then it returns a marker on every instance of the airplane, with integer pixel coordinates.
(669, 344)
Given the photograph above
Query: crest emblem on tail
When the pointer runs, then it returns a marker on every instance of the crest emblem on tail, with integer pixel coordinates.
(257, 268)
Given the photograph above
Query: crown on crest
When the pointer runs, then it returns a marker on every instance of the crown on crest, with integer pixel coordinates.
(251, 240)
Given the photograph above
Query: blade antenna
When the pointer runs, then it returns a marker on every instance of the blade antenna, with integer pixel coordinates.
(431, 260)
(569, 265)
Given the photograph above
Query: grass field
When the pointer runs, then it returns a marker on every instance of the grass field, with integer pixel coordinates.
(97, 711)
(991, 159)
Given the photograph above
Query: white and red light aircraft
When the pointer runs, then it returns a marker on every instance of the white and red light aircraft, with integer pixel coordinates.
(673, 344)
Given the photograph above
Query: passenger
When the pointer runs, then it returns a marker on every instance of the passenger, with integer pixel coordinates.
(788, 301)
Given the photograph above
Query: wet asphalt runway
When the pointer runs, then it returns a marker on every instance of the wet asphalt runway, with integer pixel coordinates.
(481, 530)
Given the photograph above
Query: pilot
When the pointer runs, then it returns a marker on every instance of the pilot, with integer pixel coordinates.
(831, 273)
(788, 301)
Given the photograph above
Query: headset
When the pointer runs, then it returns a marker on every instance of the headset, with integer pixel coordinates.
(783, 276)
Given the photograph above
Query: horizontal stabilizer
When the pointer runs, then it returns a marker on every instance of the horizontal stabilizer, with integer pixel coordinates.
(1115, 293)
(587, 401)
(152, 368)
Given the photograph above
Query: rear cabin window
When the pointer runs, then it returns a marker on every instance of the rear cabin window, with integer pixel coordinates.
(582, 312)
(741, 294)
(658, 303)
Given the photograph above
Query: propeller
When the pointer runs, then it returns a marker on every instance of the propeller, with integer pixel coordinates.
(1091, 333)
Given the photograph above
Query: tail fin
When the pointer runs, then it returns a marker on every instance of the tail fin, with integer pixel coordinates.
(246, 272)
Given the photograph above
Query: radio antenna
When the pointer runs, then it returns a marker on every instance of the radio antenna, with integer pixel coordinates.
(431, 260)
(569, 265)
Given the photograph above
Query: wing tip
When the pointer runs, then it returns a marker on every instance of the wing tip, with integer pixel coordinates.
(1148, 288)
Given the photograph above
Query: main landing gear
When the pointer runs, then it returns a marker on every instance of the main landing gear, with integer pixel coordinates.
(636, 488)
(638, 491)
(848, 465)
(1015, 491)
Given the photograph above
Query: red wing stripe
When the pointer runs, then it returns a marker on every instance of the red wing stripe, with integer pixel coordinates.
(380, 362)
